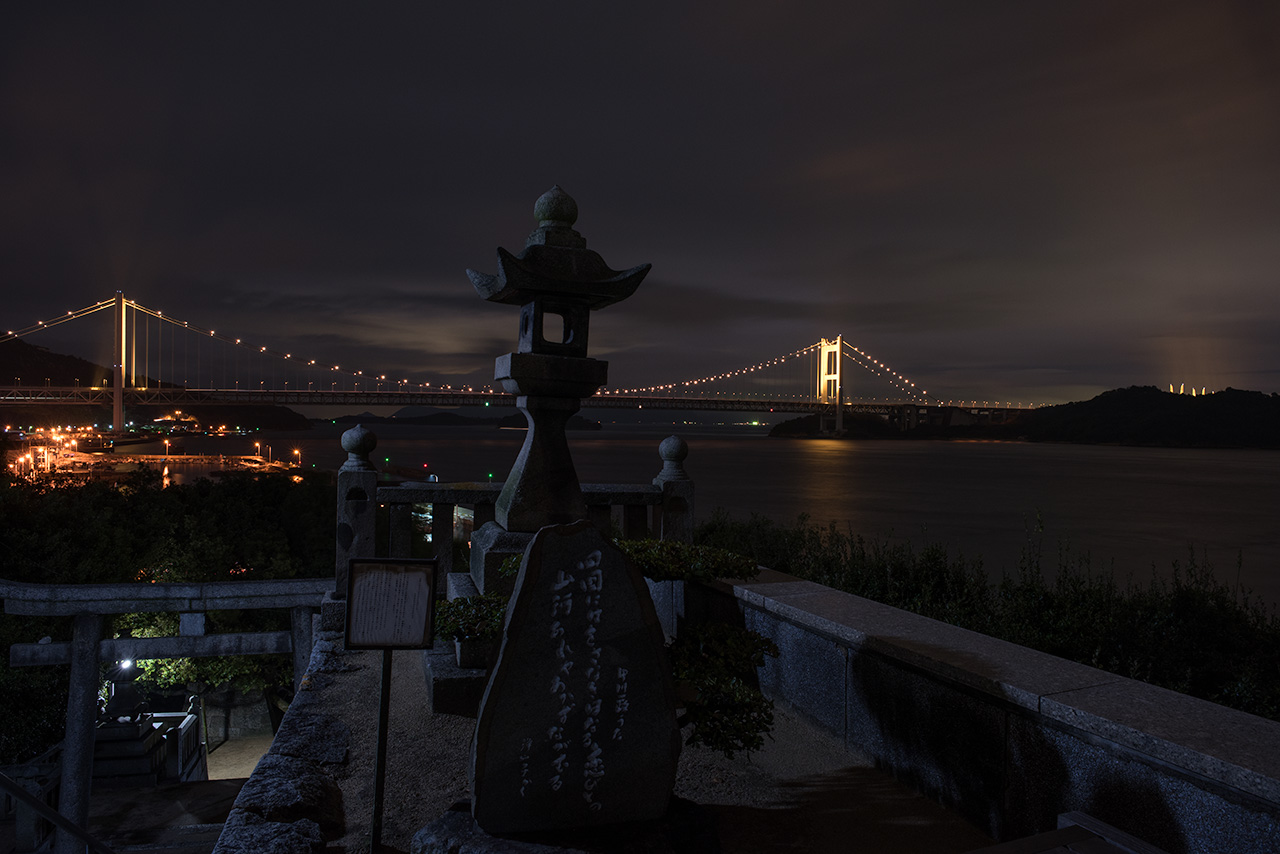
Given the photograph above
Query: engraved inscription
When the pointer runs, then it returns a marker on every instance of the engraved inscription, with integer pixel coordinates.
(390, 606)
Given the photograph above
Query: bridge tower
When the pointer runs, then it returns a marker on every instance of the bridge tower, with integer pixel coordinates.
(118, 345)
(830, 360)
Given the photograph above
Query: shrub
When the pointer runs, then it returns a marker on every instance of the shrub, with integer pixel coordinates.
(471, 617)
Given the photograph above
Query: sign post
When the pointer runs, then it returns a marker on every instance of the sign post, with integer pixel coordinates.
(390, 606)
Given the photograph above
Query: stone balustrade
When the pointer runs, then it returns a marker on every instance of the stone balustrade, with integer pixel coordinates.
(662, 509)
(1007, 736)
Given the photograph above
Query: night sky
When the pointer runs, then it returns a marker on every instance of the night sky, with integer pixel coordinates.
(1010, 201)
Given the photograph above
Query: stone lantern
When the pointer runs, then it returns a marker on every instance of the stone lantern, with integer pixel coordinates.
(577, 728)
(557, 282)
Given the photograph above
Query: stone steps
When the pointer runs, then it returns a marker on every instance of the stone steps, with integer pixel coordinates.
(1077, 833)
(186, 839)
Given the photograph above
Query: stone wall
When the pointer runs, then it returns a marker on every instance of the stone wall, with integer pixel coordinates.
(1007, 736)
(231, 714)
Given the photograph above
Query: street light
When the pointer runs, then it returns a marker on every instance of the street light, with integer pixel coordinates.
(166, 447)
(297, 457)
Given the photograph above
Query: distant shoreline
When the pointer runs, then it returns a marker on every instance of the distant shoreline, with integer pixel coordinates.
(1139, 416)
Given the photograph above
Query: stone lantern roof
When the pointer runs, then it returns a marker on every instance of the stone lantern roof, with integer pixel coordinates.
(556, 263)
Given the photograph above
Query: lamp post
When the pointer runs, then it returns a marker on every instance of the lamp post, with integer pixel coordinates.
(297, 457)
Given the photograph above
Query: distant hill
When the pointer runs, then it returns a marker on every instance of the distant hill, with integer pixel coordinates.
(33, 365)
(1139, 415)
(857, 425)
(1145, 415)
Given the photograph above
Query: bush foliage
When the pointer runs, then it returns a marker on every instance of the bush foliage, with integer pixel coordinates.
(240, 527)
(714, 666)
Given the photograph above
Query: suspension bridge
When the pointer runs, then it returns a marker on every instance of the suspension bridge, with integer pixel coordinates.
(158, 360)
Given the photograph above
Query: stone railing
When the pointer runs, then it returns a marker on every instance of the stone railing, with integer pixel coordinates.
(662, 509)
(1006, 736)
(39, 779)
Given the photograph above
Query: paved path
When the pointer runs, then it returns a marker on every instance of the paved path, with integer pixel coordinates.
(801, 793)
(235, 759)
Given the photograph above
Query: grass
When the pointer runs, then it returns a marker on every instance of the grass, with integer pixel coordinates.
(1184, 629)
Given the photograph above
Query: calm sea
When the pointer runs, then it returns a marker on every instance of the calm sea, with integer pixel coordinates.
(1133, 511)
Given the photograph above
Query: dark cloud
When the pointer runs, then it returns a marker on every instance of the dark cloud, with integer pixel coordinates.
(1013, 197)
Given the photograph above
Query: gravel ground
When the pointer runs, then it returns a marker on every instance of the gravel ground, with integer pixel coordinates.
(801, 793)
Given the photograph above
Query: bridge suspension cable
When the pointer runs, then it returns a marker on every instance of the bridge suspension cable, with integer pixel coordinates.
(693, 385)
(56, 321)
(207, 367)
(874, 366)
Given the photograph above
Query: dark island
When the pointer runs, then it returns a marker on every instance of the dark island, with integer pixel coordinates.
(1138, 415)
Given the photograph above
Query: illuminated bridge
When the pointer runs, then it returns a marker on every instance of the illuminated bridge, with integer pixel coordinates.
(158, 360)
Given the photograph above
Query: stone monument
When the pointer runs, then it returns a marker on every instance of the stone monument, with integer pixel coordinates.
(577, 725)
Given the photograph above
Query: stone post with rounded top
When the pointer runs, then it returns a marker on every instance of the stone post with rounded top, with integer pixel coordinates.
(357, 511)
(674, 516)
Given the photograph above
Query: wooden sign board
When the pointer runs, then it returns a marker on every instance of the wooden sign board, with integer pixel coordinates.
(390, 603)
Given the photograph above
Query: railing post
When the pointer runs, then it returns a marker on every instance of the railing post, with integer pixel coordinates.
(673, 518)
(357, 515)
(300, 626)
(601, 515)
(635, 521)
(400, 530)
(82, 720)
(442, 536)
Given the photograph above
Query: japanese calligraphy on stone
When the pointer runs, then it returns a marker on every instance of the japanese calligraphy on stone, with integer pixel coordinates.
(577, 726)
